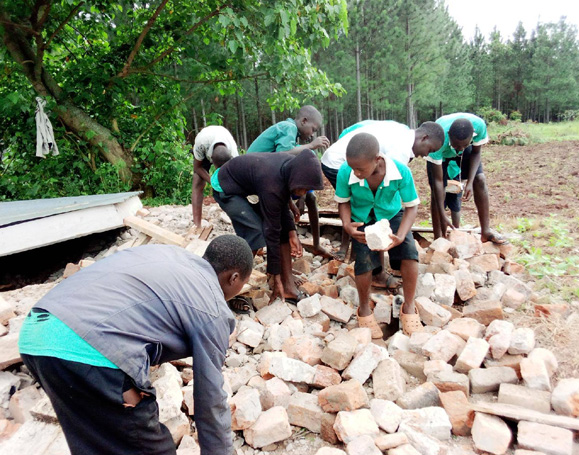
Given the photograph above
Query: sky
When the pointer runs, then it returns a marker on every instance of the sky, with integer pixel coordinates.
(506, 14)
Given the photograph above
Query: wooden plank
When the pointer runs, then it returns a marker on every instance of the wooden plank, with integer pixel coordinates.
(205, 233)
(65, 226)
(325, 221)
(197, 246)
(509, 411)
(157, 232)
(141, 239)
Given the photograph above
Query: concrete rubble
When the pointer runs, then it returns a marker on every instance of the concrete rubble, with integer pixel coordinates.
(293, 369)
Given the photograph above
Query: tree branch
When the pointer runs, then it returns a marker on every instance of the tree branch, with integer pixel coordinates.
(157, 117)
(188, 32)
(23, 27)
(40, 23)
(63, 23)
(188, 81)
(140, 39)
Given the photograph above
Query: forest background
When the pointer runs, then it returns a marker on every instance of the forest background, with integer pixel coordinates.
(129, 84)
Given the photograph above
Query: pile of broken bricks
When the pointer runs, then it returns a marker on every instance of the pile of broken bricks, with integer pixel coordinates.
(307, 369)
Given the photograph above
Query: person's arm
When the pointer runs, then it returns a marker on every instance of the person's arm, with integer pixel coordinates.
(406, 223)
(345, 212)
(198, 169)
(274, 210)
(439, 195)
(212, 413)
(475, 157)
(319, 142)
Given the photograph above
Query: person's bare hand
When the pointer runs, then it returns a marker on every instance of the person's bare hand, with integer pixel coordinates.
(277, 291)
(396, 240)
(468, 191)
(352, 230)
(445, 223)
(296, 249)
(320, 142)
(295, 211)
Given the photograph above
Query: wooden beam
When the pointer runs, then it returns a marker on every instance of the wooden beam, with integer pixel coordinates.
(141, 239)
(510, 411)
(197, 246)
(152, 230)
(204, 235)
(326, 221)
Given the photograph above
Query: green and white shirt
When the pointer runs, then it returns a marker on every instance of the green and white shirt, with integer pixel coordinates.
(397, 190)
(281, 137)
(479, 137)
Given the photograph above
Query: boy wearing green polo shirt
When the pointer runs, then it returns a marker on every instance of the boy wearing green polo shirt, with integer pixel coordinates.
(459, 159)
(284, 136)
(371, 187)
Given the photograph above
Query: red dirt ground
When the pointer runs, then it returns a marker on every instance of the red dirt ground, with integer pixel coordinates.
(524, 181)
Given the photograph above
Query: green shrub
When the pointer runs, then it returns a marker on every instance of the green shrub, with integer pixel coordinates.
(515, 116)
(491, 115)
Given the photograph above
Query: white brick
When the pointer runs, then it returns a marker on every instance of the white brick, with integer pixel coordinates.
(472, 355)
(336, 309)
(351, 424)
(271, 426)
(491, 434)
(432, 313)
(378, 235)
(565, 398)
(310, 306)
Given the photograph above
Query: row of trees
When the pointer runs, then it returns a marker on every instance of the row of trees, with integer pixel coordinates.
(130, 83)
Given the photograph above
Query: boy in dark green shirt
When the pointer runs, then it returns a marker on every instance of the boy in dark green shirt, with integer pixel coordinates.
(371, 187)
(284, 137)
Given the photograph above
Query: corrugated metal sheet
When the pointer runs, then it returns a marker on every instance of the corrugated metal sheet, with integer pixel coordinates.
(19, 211)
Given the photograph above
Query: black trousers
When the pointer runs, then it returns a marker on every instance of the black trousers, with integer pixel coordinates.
(88, 402)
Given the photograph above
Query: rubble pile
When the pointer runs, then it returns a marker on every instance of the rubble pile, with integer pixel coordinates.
(308, 368)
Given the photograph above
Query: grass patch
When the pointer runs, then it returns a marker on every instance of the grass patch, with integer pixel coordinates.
(538, 133)
(548, 250)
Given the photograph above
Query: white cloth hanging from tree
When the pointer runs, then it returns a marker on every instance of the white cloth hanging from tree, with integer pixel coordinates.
(45, 143)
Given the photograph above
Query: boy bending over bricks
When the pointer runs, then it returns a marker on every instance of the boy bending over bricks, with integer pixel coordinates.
(371, 187)
(91, 340)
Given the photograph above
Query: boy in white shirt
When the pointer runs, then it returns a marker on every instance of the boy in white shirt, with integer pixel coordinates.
(211, 139)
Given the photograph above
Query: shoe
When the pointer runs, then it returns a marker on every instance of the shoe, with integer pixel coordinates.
(411, 323)
(371, 323)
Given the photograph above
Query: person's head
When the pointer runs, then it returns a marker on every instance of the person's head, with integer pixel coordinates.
(303, 173)
(428, 138)
(221, 155)
(363, 154)
(460, 134)
(309, 121)
(232, 259)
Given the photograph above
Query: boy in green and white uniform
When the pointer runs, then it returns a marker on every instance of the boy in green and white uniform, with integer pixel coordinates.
(459, 158)
(371, 187)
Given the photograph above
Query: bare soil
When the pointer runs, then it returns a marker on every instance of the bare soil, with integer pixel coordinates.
(524, 181)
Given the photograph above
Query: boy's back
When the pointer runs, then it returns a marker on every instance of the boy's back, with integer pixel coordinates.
(281, 137)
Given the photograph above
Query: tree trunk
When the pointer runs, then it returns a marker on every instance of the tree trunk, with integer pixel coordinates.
(243, 126)
(195, 123)
(203, 113)
(259, 119)
(336, 124)
(73, 117)
(358, 86)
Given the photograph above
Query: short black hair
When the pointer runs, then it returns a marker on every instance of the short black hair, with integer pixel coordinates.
(229, 252)
(311, 113)
(221, 155)
(432, 130)
(461, 129)
(363, 145)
